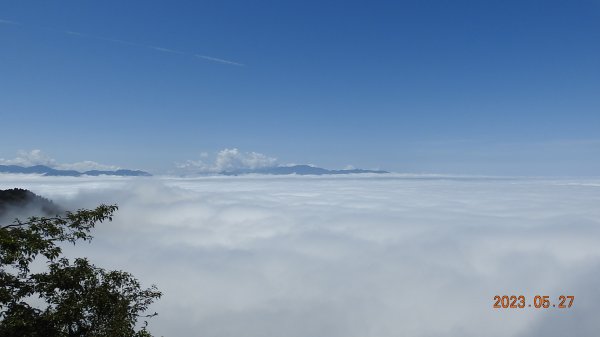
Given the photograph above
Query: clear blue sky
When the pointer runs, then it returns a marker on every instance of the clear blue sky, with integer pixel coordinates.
(488, 87)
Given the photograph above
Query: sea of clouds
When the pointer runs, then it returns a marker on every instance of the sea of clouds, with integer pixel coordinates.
(347, 256)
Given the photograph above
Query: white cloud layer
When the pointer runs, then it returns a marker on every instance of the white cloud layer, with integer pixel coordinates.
(348, 256)
(228, 160)
(37, 157)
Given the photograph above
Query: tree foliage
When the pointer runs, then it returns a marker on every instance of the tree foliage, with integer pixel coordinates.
(69, 298)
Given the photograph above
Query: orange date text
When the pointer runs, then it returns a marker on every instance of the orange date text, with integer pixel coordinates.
(536, 302)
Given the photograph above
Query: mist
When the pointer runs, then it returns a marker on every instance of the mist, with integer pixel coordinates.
(347, 256)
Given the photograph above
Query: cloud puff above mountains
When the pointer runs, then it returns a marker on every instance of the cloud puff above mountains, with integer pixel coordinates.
(229, 160)
(37, 157)
(348, 256)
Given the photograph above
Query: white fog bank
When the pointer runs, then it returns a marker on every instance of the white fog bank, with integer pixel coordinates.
(348, 256)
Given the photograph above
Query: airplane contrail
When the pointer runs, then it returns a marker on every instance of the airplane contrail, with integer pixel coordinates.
(214, 59)
(134, 44)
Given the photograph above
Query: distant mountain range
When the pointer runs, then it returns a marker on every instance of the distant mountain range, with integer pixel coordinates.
(48, 171)
(299, 170)
(275, 170)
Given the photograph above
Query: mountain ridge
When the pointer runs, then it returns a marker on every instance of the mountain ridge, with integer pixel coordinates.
(48, 171)
(298, 170)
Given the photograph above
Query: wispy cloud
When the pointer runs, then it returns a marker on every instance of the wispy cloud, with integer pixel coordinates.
(74, 33)
(8, 22)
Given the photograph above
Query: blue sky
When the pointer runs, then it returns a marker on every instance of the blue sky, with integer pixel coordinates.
(473, 87)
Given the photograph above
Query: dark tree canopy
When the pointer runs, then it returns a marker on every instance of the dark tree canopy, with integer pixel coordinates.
(70, 298)
(18, 198)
